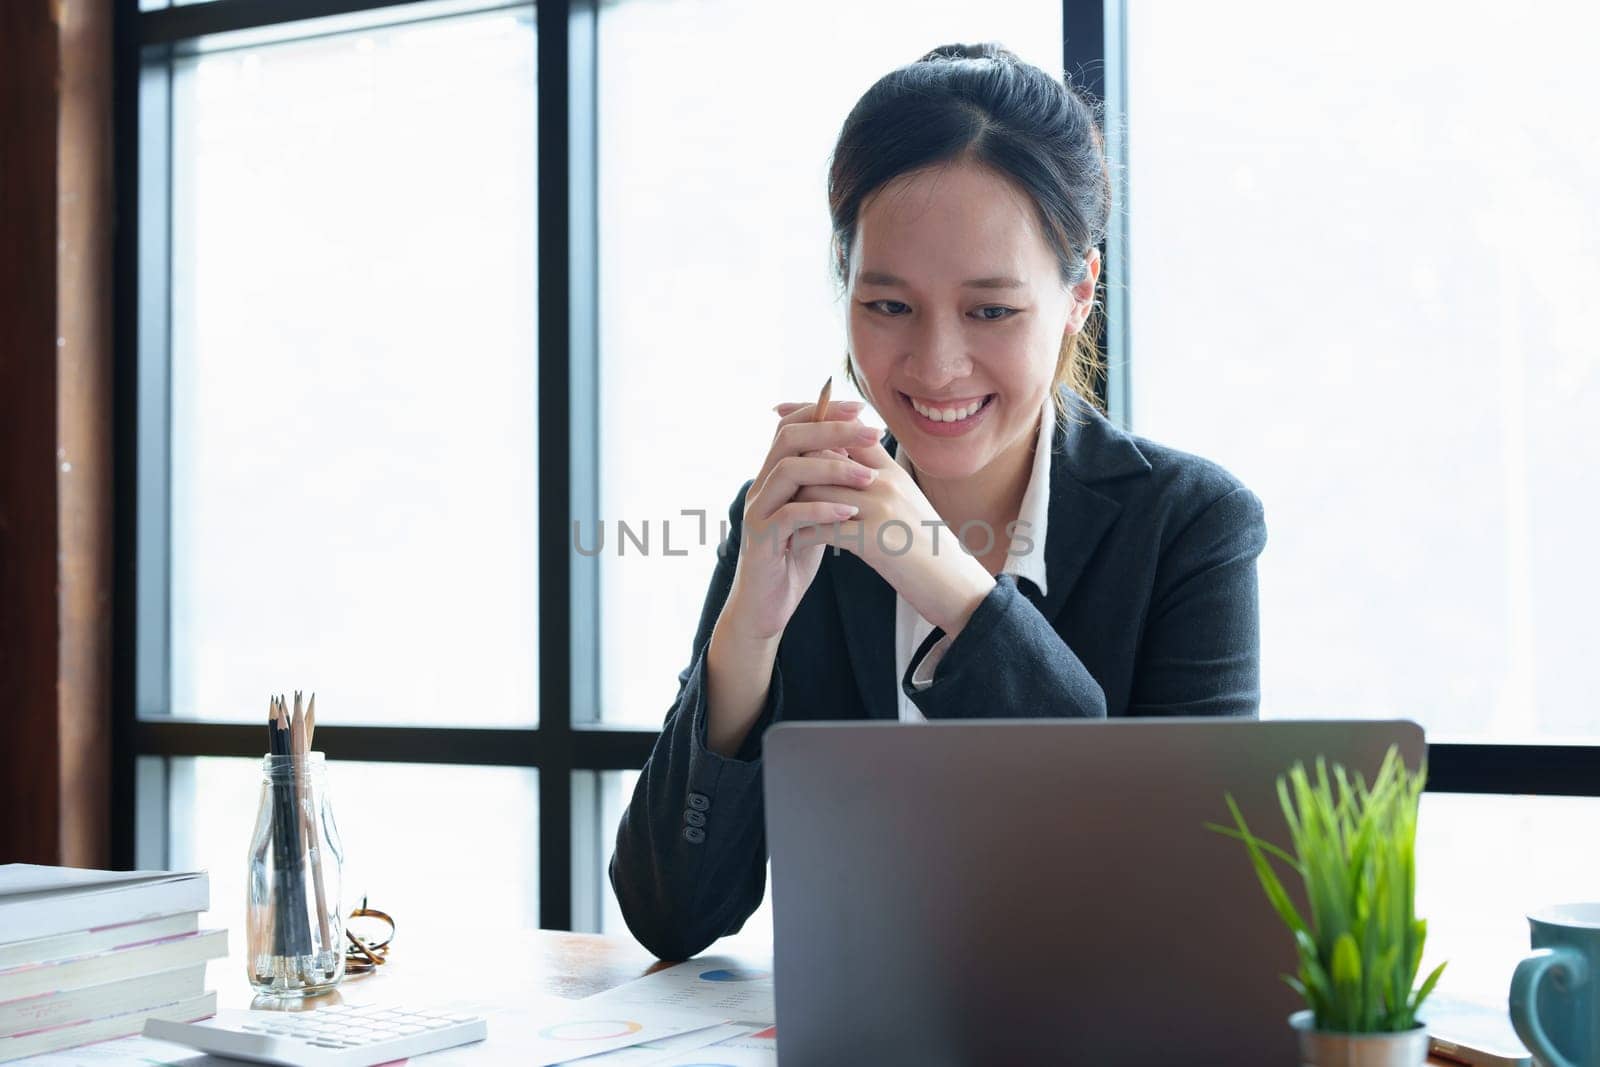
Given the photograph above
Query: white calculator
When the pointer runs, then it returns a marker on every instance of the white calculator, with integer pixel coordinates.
(342, 1035)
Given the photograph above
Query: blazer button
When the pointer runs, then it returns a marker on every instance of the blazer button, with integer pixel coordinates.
(694, 818)
(699, 802)
(694, 835)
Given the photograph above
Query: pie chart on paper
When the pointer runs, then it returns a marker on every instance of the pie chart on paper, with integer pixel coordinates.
(591, 1030)
(734, 974)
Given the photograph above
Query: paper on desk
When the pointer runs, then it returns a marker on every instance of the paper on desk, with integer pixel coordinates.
(715, 985)
(508, 1028)
(127, 1052)
(652, 1052)
(717, 1056)
(545, 1031)
(749, 1050)
(759, 1041)
(518, 1035)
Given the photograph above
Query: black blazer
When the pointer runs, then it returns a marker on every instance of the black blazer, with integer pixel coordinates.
(1150, 558)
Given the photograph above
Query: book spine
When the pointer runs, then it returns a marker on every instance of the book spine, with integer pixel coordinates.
(75, 912)
(68, 975)
(46, 1010)
(89, 942)
(190, 1010)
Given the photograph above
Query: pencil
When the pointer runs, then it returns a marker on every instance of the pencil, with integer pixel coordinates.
(822, 400)
(311, 850)
(282, 812)
(277, 738)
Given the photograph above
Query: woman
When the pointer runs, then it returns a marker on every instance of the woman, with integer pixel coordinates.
(1097, 573)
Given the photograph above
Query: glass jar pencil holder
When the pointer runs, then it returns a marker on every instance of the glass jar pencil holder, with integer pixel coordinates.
(293, 922)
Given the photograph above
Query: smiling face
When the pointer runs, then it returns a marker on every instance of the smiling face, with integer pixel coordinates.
(957, 314)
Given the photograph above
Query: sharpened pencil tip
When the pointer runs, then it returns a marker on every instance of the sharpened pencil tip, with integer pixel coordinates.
(822, 400)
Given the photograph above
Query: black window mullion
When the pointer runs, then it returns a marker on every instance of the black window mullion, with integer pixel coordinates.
(1114, 288)
(186, 22)
(1083, 44)
(1532, 770)
(1083, 62)
(125, 427)
(555, 475)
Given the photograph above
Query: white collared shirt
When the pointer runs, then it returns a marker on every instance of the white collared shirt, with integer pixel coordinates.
(911, 629)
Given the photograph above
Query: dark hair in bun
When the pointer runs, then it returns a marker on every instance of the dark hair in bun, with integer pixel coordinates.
(981, 102)
(984, 50)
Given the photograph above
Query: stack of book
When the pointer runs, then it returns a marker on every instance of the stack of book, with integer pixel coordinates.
(90, 955)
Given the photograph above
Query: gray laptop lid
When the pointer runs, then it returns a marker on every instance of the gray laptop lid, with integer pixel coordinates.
(1035, 892)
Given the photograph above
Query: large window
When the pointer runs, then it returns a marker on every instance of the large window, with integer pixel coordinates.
(413, 286)
(1361, 260)
(407, 290)
(353, 391)
(1367, 293)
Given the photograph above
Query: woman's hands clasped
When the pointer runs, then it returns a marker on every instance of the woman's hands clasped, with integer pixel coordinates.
(831, 485)
(779, 553)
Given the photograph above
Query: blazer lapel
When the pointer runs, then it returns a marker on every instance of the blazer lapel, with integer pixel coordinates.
(1079, 519)
(1087, 450)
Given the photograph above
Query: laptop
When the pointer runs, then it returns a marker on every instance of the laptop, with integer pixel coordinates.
(1036, 892)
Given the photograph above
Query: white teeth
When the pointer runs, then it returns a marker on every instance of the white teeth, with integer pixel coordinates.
(948, 414)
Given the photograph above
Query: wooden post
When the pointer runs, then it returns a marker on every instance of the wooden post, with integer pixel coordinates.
(55, 430)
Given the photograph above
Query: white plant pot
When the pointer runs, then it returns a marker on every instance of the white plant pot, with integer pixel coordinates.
(1328, 1048)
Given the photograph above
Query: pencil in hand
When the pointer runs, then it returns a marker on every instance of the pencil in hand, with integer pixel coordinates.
(822, 400)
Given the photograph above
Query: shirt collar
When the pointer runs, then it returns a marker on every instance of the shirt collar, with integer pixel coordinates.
(1033, 517)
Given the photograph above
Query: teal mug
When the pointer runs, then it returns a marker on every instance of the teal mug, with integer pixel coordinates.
(1555, 992)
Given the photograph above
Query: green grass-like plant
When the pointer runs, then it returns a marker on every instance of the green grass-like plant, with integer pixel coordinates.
(1355, 851)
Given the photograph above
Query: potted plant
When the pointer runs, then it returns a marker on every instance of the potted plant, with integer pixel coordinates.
(1354, 850)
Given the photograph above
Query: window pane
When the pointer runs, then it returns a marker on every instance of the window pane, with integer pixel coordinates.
(386, 813)
(353, 375)
(714, 290)
(616, 788)
(1362, 278)
(1485, 862)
